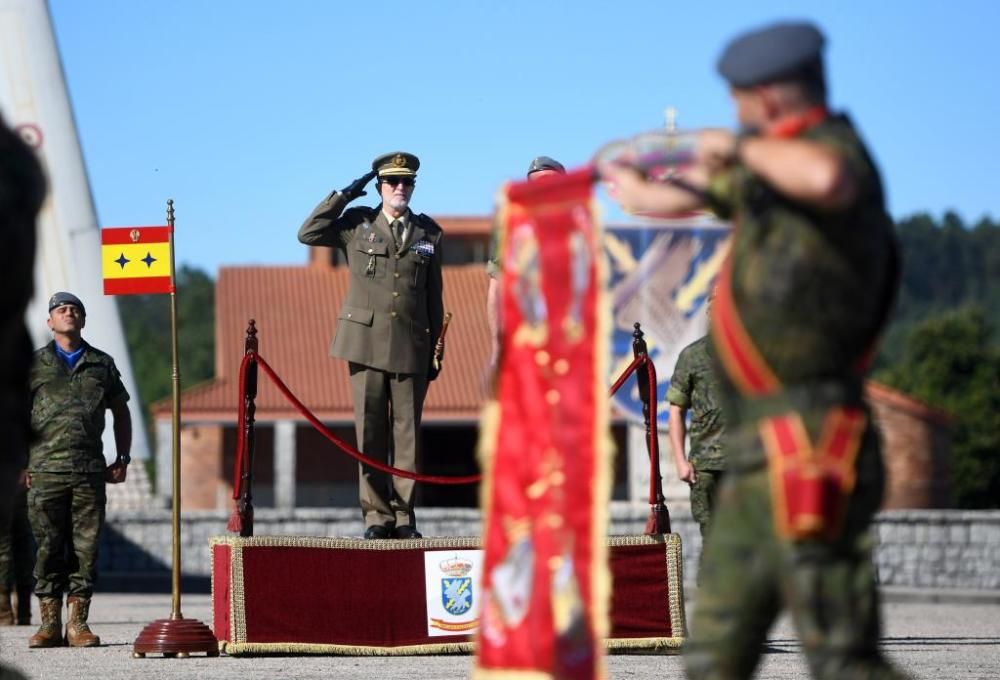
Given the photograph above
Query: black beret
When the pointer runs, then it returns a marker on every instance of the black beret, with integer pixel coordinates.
(771, 53)
(545, 163)
(63, 298)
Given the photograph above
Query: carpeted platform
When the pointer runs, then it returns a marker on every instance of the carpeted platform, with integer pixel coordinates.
(300, 595)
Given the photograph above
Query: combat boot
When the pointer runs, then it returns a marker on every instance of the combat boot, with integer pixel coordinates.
(23, 606)
(6, 612)
(78, 633)
(50, 632)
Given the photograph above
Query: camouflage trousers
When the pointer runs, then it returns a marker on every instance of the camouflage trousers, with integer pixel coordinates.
(703, 494)
(17, 550)
(750, 574)
(66, 512)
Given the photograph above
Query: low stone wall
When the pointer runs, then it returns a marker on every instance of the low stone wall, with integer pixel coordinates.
(916, 548)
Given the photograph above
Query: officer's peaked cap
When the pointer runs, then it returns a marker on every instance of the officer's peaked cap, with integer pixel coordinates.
(396, 164)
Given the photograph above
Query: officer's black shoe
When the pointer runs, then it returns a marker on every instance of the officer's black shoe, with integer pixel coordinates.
(377, 531)
(406, 531)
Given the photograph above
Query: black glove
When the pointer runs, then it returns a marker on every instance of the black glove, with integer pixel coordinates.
(356, 189)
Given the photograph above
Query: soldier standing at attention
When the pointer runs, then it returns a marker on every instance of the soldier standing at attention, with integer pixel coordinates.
(72, 385)
(694, 388)
(386, 329)
(801, 300)
(540, 166)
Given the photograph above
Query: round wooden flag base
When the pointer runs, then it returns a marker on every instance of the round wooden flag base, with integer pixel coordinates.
(175, 638)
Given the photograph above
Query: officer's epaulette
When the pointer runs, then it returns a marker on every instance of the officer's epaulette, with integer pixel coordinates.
(428, 223)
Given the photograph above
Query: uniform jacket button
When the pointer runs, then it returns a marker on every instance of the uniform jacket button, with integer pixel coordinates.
(396, 275)
(392, 314)
(395, 294)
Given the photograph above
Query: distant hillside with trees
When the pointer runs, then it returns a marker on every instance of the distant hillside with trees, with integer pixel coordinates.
(943, 345)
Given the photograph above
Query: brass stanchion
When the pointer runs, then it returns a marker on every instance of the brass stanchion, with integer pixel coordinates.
(175, 637)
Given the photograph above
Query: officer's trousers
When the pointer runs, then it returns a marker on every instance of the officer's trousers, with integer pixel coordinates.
(66, 512)
(387, 410)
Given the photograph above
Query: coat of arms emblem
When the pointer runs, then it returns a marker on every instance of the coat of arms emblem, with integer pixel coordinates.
(456, 586)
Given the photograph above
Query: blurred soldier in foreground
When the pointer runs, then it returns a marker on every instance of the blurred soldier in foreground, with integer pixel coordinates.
(800, 303)
(540, 166)
(694, 388)
(72, 385)
(22, 190)
(386, 328)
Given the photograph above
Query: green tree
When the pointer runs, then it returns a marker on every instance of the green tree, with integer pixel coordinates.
(146, 319)
(950, 361)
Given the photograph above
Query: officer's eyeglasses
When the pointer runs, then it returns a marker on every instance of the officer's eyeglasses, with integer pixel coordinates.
(405, 181)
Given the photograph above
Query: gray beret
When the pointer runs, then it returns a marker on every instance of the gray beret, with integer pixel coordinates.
(63, 298)
(545, 163)
(771, 53)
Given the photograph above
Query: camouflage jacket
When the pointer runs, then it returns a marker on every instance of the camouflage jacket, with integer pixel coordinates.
(67, 409)
(812, 287)
(694, 387)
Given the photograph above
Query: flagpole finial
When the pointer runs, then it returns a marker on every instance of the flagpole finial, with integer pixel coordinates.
(670, 113)
(170, 211)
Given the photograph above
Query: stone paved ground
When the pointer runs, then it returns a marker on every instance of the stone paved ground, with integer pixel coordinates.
(932, 640)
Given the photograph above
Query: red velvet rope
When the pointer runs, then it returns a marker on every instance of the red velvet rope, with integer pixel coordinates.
(655, 491)
(241, 425)
(340, 443)
(357, 455)
(626, 373)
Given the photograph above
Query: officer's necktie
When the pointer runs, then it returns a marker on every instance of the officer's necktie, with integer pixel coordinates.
(397, 232)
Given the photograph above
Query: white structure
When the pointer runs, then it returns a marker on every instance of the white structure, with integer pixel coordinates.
(34, 99)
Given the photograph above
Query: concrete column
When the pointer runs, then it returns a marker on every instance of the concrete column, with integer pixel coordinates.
(284, 464)
(164, 451)
(675, 491)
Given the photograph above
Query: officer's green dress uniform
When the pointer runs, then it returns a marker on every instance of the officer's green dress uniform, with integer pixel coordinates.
(386, 330)
(67, 498)
(811, 288)
(694, 387)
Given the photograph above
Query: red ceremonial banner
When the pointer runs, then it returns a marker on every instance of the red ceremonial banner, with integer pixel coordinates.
(545, 443)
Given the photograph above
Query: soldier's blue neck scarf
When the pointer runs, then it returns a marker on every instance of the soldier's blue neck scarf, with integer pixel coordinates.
(70, 358)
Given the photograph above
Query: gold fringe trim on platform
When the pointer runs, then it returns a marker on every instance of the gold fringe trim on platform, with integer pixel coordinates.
(662, 645)
(342, 543)
(251, 648)
(675, 586)
(617, 646)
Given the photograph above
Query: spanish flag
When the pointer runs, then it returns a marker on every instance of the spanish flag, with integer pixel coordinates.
(136, 260)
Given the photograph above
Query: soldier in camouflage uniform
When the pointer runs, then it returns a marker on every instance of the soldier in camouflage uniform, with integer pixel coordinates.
(17, 561)
(810, 279)
(22, 190)
(386, 328)
(72, 385)
(694, 388)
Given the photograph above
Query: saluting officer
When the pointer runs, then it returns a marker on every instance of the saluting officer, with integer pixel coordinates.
(386, 328)
(808, 285)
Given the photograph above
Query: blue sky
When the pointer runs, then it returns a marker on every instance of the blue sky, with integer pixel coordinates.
(248, 112)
